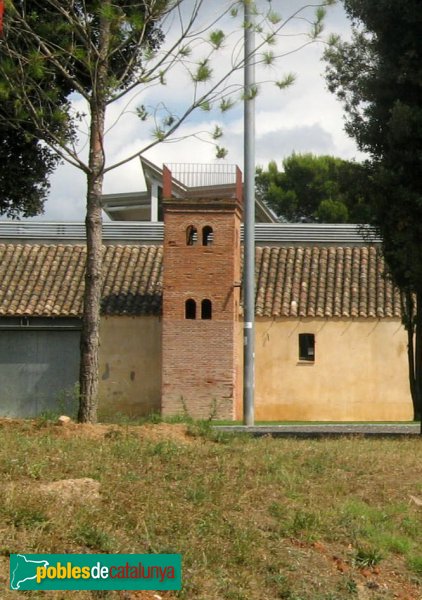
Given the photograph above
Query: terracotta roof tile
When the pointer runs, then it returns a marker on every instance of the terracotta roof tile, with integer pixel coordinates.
(324, 282)
(48, 280)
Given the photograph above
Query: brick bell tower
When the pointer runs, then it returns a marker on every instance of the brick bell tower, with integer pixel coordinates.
(201, 373)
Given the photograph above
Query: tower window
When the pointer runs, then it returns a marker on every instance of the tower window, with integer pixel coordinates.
(190, 309)
(191, 235)
(206, 309)
(307, 347)
(207, 236)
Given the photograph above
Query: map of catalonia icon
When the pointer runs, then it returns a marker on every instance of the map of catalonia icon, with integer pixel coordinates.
(23, 570)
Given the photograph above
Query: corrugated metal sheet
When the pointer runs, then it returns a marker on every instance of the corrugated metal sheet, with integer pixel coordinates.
(303, 233)
(153, 233)
(127, 231)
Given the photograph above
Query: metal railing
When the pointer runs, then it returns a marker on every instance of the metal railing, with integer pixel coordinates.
(194, 175)
(189, 178)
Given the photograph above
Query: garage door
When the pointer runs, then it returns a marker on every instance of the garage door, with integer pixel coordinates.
(38, 370)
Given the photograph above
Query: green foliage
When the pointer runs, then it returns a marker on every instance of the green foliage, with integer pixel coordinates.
(220, 152)
(312, 188)
(204, 429)
(268, 57)
(159, 133)
(217, 133)
(142, 112)
(26, 517)
(226, 104)
(203, 72)
(63, 50)
(415, 563)
(185, 51)
(368, 556)
(93, 537)
(206, 106)
(287, 81)
(318, 24)
(377, 75)
(273, 17)
(217, 38)
(27, 163)
(332, 211)
(26, 166)
(251, 93)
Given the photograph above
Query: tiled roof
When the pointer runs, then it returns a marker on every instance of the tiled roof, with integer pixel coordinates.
(48, 281)
(324, 282)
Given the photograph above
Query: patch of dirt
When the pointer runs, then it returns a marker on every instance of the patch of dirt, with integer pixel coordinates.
(176, 432)
(72, 490)
(154, 433)
(148, 596)
(64, 493)
(387, 580)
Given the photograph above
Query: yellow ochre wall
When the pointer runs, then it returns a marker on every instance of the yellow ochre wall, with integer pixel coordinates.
(130, 366)
(360, 370)
(359, 374)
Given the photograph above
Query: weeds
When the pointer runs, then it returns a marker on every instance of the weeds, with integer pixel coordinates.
(92, 537)
(368, 557)
(26, 517)
(415, 563)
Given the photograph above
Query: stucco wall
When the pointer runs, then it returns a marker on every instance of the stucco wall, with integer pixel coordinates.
(130, 366)
(359, 373)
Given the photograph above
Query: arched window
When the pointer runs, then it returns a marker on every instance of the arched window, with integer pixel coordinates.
(190, 309)
(191, 235)
(206, 309)
(207, 236)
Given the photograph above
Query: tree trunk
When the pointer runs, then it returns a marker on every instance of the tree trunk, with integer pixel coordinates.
(90, 335)
(408, 321)
(418, 356)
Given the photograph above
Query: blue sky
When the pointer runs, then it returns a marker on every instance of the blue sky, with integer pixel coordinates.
(302, 118)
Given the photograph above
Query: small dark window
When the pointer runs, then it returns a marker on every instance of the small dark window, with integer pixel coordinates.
(207, 236)
(206, 309)
(190, 309)
(307, 346)
(191, 235)
(160, 215)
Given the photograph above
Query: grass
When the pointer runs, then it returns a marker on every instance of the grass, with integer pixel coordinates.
(253, 518)
(184, 417)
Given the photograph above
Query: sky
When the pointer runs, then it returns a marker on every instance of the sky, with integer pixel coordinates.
(305, 117)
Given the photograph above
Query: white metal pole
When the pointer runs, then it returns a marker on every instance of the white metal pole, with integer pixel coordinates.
(249, 222)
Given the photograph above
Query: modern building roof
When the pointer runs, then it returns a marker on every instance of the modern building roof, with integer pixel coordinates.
(47, 280)
(136, 232)
(204, 180)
